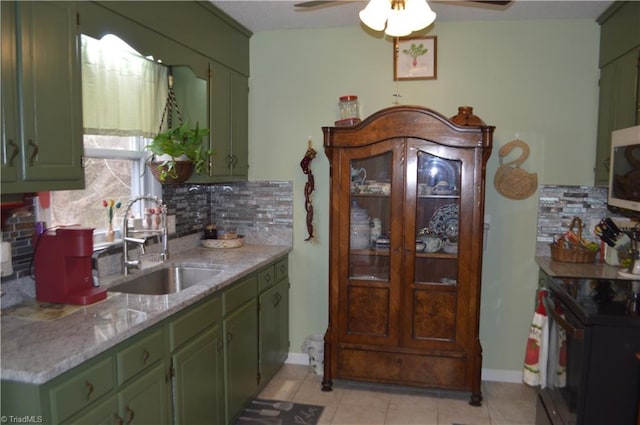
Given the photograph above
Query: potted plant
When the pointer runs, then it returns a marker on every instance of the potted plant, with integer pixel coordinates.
(178, 152)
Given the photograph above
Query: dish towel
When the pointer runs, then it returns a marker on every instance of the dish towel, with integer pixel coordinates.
(536, 352)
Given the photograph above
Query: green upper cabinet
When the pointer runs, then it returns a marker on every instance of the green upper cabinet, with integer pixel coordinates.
(229, 115)
(41, 97)
(211, 78)
(619, 104)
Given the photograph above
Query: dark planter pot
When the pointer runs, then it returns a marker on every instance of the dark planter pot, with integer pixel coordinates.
(183, 170)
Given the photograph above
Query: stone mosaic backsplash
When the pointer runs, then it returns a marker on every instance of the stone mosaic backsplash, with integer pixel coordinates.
(557, 205)
(262, 211)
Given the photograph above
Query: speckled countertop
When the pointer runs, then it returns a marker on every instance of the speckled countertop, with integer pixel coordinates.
(36, 351)
(597, 270)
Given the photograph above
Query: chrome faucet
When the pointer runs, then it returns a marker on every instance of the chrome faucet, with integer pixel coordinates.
(161, 233)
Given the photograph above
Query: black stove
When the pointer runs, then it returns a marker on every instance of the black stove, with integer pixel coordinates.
(599, 301)
(591, 323)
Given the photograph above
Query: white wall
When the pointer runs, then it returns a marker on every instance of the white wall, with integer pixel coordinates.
(537, 79)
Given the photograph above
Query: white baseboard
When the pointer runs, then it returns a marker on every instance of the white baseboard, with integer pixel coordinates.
(298, 358)
(497, 375)
(502, 375)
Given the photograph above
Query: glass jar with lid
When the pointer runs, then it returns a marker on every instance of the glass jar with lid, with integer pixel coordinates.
(349, 107)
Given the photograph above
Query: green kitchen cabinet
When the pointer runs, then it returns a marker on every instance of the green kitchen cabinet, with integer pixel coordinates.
(103, 413)
(240, 330)
(619, 102)
(42, 144)
(229, 119)
(145, 400)
(273, 305)
(197, 365)
(200, 365)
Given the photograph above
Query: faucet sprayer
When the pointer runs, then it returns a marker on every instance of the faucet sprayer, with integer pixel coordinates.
(161, 233)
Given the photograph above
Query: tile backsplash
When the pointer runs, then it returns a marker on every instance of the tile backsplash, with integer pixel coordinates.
(557, 205)
(262, 211)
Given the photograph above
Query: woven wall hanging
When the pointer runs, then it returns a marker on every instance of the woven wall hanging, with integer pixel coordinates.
(510, 180)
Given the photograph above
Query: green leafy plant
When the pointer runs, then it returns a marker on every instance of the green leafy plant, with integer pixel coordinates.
(415, 51)
(179, 142)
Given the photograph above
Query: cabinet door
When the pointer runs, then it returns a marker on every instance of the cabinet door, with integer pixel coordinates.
(51, 95)
(370, 283)
(229, 124)
(437, 238)
(241, 357)
(283, 321)
(239, 125)
(274, 329)
(9, 96)
(105, 413)
(145, 400)
(268, 333)
(198, 380)
(618, 107)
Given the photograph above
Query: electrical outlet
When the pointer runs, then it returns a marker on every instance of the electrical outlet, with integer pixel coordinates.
(171, 224)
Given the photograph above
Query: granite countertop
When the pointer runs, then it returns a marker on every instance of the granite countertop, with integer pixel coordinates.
(36, 351)
(597, 270)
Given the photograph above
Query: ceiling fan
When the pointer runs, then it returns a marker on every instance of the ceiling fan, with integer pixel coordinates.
(316, 3)
(397, 18)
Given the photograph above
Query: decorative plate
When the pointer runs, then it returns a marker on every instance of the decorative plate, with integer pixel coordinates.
(445, 217)
(223, 243)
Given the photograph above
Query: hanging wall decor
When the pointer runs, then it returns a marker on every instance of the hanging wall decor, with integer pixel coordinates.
(415, 58)
(510, 180)
(308, 187)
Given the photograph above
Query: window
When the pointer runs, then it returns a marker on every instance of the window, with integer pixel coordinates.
(123, 100)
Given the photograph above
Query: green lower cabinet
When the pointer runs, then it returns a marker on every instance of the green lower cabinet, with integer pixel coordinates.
(201, 366)
(104, 413)
(198, 383)
(241, 357)
(274, 329)
(145, 400)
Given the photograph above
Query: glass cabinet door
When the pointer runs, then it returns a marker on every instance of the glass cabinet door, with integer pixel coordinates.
(436, 219)
(370, 217)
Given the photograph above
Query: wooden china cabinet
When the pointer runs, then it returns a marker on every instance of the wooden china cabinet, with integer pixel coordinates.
(399, 313)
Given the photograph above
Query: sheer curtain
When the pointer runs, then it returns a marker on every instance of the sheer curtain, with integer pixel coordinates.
(123, 93)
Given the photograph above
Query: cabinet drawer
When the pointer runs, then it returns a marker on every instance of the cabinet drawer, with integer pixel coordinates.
(239, 294)
(266, 278)
(193, 322)
(282, 269)
(81, 390)
(139, 356)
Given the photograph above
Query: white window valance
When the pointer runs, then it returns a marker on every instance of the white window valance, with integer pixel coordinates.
(123, 92)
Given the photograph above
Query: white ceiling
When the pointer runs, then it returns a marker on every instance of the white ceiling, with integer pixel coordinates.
(267, 15)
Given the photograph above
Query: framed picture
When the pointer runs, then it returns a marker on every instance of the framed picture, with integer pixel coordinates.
(415, 58)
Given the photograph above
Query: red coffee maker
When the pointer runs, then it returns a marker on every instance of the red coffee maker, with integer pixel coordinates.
(63, 267)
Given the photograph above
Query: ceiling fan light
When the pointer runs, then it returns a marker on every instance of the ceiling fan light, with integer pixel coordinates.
(398, 24)
(420, 14)
(374, 15)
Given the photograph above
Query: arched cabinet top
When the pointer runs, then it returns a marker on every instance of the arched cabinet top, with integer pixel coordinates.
(409, 122)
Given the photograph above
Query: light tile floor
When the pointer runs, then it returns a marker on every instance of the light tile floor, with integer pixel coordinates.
(354, 403)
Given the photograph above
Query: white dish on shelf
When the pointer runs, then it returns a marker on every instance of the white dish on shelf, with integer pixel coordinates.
(450, 248)
(628, 275)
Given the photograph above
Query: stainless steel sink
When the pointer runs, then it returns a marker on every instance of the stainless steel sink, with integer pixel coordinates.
(166, 281)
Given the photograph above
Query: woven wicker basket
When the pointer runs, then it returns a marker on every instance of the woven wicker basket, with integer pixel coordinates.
(576, 254)
(184, 169)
